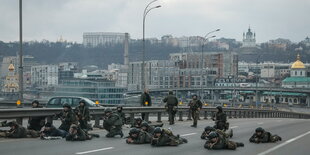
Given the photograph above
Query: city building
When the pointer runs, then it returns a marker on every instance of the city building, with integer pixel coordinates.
(66, 70)
(298, 78)
(249, 39)
(183, 70)
(44, 75)
(101, 90)
(93, 39)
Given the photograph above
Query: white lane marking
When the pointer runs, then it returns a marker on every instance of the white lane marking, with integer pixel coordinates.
(282, 144)
(91, 151)
(234, 127)
(260, 123)
(188, 134)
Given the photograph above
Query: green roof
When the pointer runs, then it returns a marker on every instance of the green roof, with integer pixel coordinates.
(284, 93)
(247, 92)
(297, 79)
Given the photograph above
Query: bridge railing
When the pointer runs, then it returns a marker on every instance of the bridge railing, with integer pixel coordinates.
(183, 112)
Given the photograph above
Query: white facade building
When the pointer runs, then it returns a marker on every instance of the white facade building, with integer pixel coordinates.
(93, 39)
(44, 75)
(249, 39)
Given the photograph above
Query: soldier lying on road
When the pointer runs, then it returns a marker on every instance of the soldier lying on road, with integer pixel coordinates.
(137, 136)
(217, 142)
(261, 136)
(165, 137)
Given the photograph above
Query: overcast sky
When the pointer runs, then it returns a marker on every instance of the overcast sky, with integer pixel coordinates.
(50, 19)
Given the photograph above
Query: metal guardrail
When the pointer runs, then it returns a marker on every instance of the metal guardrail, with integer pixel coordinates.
(207, 112)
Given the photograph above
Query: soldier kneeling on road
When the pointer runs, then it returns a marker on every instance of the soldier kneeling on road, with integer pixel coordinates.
(78, 134)
(112, 123)
(18, 131)
(217, 142)
(49, 131)
(165, 137)
(261, 136)
(137, 136)
(209, 129)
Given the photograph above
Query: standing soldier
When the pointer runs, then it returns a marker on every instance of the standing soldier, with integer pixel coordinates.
(195, 105)
(36, 123)
(217, 142)
(82, 113)
(262, 136)
(112, 123)
(119, 111)
(171, 105)
(145, 101)
(67, 118)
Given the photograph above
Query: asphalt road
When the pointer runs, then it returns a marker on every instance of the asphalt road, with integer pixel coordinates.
(295, 135)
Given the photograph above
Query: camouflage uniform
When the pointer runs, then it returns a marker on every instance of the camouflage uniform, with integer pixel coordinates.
(113, 124)
(67, 119)
(171, 106)
(264, 137)
(166, 138)
(142, 137)
(221, 143)
(195, 106)
(83, 116)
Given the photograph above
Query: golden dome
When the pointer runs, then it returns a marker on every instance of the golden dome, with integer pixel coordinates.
(298, 64)
(11, 67)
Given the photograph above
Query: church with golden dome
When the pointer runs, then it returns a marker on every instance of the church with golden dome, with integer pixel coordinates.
(11, 80)
(298, 75)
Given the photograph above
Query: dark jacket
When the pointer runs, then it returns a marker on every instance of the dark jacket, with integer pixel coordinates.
(67, 119)
(145, 97)
(113, 120)
(53, 132)
(195, 104)
(82, 112)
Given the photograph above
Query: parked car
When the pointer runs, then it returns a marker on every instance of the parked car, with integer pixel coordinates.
(58, 102)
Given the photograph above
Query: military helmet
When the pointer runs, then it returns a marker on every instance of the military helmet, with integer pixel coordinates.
(138, 119)
(73, 126)
(144, 124)
(134, 131)
(213, 135)
(259, 129)
(66, 105)
(82, 101)
(194, 95)
(219, 108)
(35, 102)
(157, 130)
(209, 128)
(107, 110)
(13, 123)
(48, 124)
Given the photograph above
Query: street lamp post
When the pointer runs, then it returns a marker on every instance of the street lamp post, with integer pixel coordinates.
(20, 52)
(202, 47)
(146, 11)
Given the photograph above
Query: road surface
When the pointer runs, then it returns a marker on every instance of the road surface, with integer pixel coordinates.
(295, 135)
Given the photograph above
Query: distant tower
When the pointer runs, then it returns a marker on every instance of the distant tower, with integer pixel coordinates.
(249, 39)
(126, 48)
(11, 80)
